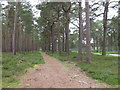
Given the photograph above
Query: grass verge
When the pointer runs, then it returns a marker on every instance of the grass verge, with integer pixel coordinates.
(16, 65)
(102, 68)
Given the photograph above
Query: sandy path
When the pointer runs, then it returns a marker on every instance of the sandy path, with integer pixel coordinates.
(56, 74)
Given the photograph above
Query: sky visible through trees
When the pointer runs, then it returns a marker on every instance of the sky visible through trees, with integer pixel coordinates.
(36, 12)
(111, 12)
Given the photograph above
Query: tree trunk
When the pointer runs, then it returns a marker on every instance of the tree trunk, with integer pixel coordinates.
(67, 34)
(6, 38)
(3, 38)
(6, 34)
(59, 48)
(14, 32)
(66, 9)
(53, 38)
(63, 41)
(49, 42)
(55, 43)
(17, 37)
(88, 46)
(105, 27)
(80, 33)
(119, 27)
(20, 37)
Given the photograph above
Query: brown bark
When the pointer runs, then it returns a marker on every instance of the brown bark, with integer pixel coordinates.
(66, 10)
(59, 48)
(53, 38)
(63, 41)
(14, 32)
(3, 38)
(6, 39)
(17, 36)
(105, 27)
(55, 42)
(67, 38)
(49, 41)
(20, 37)
(6, 34)
(88, 46)
(80, 33)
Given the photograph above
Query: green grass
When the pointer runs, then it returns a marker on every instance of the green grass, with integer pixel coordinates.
(102, 68)
(14, 66)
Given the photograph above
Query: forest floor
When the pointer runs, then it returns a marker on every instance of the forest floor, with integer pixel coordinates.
(57, 74)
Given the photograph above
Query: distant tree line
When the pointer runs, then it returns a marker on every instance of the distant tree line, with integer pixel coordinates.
(52, 31)
(55, 19)
(18, 30)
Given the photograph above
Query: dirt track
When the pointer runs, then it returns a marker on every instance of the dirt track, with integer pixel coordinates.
(56, 74)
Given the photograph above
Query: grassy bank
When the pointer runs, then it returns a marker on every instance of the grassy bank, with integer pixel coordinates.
(102, 68)
(14, 66)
